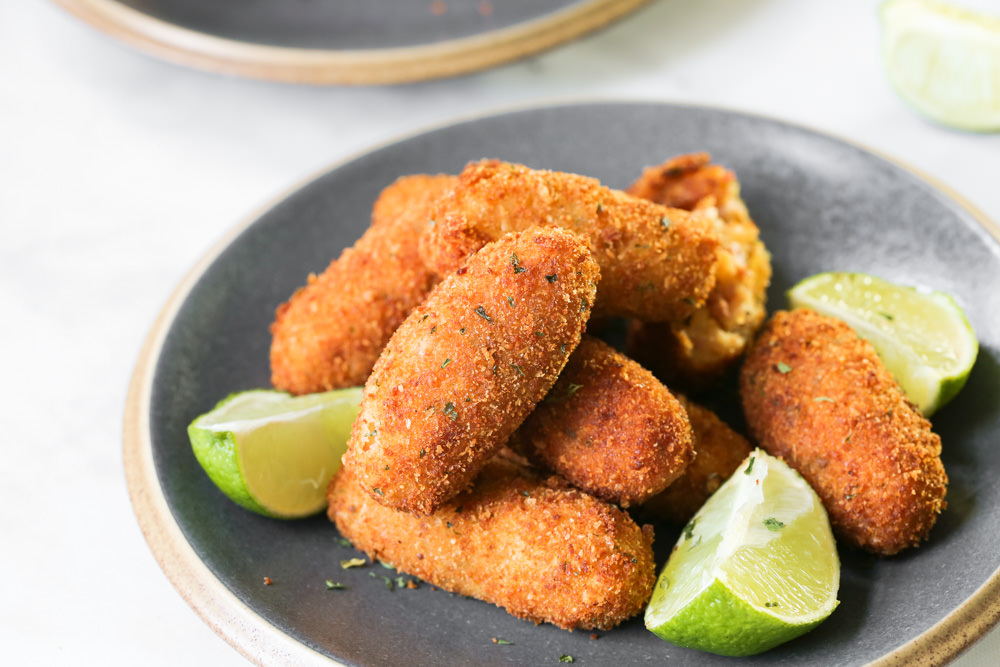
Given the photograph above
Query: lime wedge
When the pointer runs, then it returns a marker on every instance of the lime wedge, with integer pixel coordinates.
(944, 61)
(274, 453)
(755, 567)
(922, 336)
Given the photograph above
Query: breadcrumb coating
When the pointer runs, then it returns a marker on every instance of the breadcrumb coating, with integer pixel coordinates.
(818, 396)
(330, 332)
(608, 427)
(656, 263)
(468, 365)
(545, 552)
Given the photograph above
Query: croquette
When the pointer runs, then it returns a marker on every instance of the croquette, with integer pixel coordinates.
(545, 552)
(718, 449)
(467, 366)
(608, 427)
(694, 353)
(330, 332)
(656, 263)
(818, 396)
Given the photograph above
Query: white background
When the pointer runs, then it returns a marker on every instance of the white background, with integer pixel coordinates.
(118, 171)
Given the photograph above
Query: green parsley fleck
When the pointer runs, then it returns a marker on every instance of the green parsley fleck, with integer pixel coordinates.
(449, 409)
(689, 529)
(665, 222)
(344, 542)
(783, 367)
(387, 580)
(773, 524)
(566, 658)
(516, 263)
(573, 388)
(510, 301)
(334, 585)
(517, 368)
(501, 641)
(446, 362)
(482, 313)
(887, 316)
(552, 277)
(749, 469)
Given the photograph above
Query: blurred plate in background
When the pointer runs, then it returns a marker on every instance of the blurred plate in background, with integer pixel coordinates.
(346, 41)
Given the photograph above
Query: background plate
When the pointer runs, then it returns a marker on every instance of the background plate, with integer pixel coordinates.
(821, 204)
(346, 41)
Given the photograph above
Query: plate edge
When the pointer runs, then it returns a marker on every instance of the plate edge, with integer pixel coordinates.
(348, 67)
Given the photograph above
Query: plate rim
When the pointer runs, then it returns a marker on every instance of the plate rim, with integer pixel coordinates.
(263, 643)
(397, 65)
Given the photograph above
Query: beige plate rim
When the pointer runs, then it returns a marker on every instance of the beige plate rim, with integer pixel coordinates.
(261, 642)
(346, 67)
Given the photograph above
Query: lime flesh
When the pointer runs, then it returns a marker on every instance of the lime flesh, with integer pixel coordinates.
(944, 61)
(274, 453)
(922, 336)
(755, 567)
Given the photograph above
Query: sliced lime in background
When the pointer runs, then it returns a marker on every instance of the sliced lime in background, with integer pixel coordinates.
(943, 59)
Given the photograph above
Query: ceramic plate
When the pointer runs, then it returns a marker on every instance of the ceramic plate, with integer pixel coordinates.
(822, 204)
(346, 41)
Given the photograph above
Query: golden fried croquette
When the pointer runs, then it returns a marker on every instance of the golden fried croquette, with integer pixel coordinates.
(544, 552)
(696, 351)
(331, 331)
(608, 427)
(818, 396)
(468, 365)
(718, 449)
(656, 263)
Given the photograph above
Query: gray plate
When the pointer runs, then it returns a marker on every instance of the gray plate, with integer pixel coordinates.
(821, 204)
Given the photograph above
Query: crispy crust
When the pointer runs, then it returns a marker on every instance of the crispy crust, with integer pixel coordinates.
(544, 552)
(468, 365)
(719, 450)
(608, 427)
(656, 263)
(331, 331)
(818, 396)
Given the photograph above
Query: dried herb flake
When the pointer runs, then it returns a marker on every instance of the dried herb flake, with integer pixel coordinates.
(482, 313)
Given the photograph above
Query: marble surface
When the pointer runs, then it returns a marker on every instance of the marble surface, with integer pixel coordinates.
(119, 171)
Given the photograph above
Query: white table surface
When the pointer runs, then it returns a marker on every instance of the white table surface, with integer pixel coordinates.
(119, 171)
